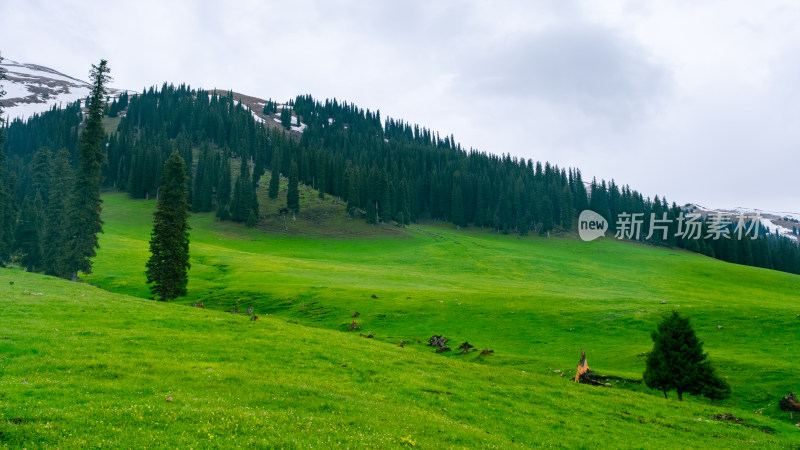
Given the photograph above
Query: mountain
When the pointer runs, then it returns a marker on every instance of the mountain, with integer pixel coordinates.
(32, 89)
(385, 170)
(778, 223)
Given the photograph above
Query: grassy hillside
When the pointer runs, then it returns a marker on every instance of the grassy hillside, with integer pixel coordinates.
(535, 301)
(81, 367)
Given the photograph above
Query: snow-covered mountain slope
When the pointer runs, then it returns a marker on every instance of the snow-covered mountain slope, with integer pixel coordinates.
(778, 223)
(31, 89)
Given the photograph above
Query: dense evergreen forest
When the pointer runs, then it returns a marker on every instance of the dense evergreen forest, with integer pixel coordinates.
(386, 171)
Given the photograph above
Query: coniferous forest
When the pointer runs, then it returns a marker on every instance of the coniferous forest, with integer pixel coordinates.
(386, 170)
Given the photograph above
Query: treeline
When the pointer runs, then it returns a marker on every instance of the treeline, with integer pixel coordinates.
(393, 171)
(50, 205)
(386, 170)
(756, 248)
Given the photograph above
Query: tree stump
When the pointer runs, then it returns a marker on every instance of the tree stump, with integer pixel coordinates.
(438, 341)
(584, 375)
(465, 348)
(790, 403)
(353, 326)
(583, 367)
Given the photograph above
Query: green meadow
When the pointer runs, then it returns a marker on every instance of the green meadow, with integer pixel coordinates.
(96, 369)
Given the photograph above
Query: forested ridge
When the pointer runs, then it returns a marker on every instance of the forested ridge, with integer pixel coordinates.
(386, 170)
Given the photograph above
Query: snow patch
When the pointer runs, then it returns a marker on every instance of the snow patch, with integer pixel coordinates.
(255, 117)
(767, 218)
(33, 89)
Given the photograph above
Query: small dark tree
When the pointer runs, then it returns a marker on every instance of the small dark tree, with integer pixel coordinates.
(677, 361)
(252, 219)
(169, 243)
(286, 117)
(274, 177)
(714, 387)
(274, 183)
(224, 187)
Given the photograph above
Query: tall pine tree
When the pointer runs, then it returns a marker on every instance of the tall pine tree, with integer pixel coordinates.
(83, 222)
(169, 243)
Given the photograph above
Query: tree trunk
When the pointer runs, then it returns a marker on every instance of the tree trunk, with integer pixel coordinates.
(75, 276)
(583, 367)
(680, 396)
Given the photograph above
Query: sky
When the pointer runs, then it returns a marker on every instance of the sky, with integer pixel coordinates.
(698, 101)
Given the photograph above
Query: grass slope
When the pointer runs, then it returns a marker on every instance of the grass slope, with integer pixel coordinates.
(81, 367)
(535, 301)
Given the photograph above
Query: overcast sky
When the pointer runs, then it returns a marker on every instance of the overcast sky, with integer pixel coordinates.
(695, 100)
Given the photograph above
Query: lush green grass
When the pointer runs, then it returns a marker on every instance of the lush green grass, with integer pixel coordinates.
(535, 301)
(81, 367)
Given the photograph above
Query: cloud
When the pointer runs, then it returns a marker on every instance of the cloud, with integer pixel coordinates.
(584, 67)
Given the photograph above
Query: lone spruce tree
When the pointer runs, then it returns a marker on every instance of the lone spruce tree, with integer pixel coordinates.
(83, 216)
(169, 243)
(677, 362)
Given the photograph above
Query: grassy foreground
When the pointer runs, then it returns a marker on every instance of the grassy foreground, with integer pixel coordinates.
(82, 367)
(534, 301)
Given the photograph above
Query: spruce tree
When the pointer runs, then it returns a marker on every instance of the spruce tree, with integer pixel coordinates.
(245, 201)
(29, 233)
(714, 387)
(83, 222)
(274, 182)
(286, 117)
(41, 173)
(169, 243)
(458, 206)
(567, 213)
(677, 361)
(54, 240)
(293, 194)
(224, 188)
(274, 177)
(320, 177)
